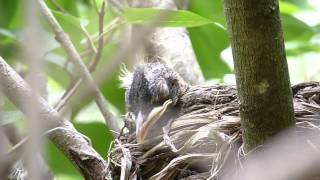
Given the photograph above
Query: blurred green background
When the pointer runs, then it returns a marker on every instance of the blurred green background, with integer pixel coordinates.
(300, 19)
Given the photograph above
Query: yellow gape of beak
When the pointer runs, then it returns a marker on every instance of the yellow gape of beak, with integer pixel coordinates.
(143, 127)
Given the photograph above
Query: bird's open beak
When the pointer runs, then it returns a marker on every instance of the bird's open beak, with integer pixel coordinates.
(144, 125)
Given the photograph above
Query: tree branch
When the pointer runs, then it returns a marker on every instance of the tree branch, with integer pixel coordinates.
(92, 66)
(64, 136)
(75, 57)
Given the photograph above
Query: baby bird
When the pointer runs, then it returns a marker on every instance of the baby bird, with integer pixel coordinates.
(151, 86)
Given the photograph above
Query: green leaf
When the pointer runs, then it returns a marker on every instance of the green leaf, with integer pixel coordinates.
(8, 117)
(207, 41)
(71, 25)
(295, 29)
(209, 9)
(68, 18)
(89, 113)
(55, 68)
(287, 7)
(297, 48)
(65, 6)
(179, 18)
(301, 4)
(7, 11)
(68, 177)
(97, 4)
(17, 22)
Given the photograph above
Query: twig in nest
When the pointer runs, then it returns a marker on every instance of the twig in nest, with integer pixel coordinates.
(126, 161)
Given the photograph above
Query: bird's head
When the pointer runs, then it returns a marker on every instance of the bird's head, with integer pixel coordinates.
(150, 87)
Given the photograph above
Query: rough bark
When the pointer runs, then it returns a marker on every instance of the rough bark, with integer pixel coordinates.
(172, 45)
(261, 69)
(73, 144)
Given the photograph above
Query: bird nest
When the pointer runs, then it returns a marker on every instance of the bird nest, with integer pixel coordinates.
(202, 138)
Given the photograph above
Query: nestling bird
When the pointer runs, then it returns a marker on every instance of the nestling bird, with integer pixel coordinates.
(204, 125)
(152, 85)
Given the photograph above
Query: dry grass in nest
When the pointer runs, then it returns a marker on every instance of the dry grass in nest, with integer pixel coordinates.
(203, 137)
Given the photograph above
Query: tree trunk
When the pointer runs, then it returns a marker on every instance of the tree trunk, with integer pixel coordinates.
(261, 69)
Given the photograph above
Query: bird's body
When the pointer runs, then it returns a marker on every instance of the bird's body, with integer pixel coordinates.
(205, 125)
(151, 86)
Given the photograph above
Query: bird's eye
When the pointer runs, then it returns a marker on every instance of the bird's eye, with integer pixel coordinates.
(174, 82)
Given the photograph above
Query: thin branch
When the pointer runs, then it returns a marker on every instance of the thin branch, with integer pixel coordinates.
(66, 43)
(127, 51)
(67, 95)
(91, 46)
(75, 86)
(66, 138)
(92, 66)
(100, 41)
(109, 28)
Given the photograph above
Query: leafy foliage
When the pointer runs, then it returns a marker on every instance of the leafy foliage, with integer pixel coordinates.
(175, 18)
(203, 19)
